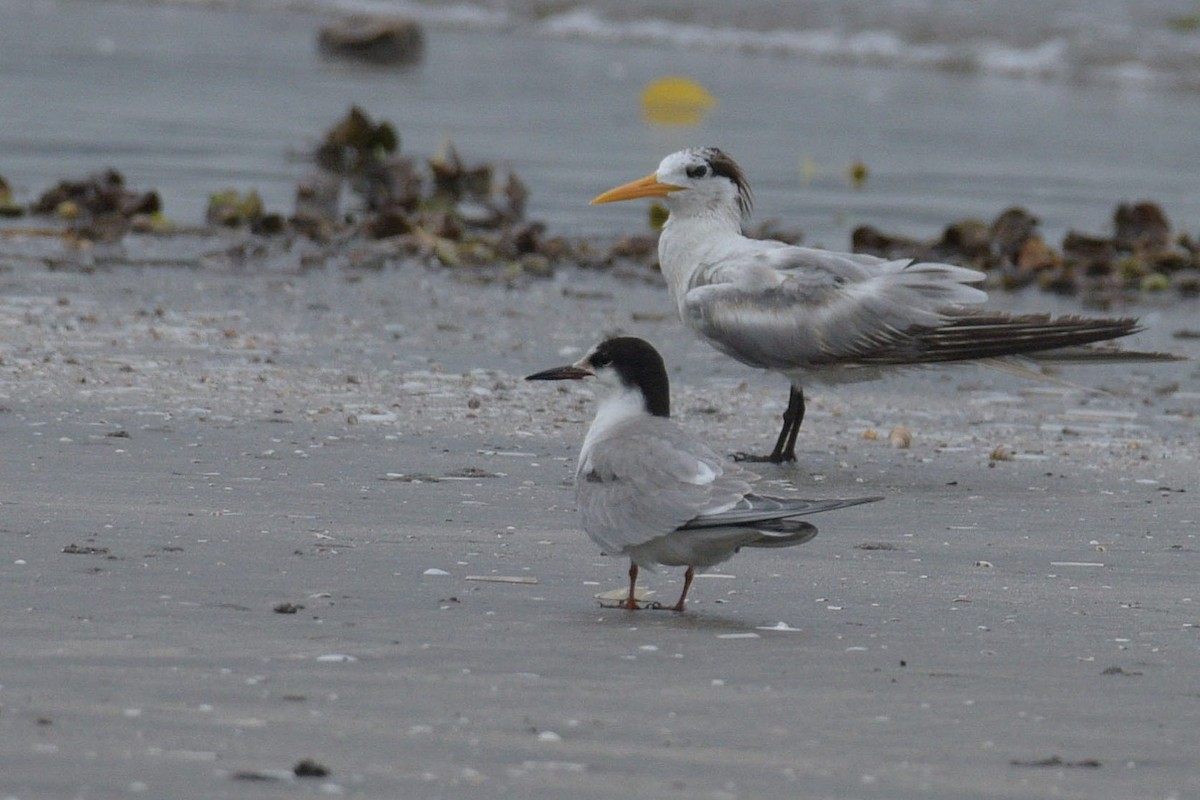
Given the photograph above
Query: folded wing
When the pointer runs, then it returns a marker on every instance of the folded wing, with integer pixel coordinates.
(632, 488)
(801, 308)
(795, 307)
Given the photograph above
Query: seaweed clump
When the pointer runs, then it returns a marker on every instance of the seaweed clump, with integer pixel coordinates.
(443, 209)
(101, 208)
(1142, 254)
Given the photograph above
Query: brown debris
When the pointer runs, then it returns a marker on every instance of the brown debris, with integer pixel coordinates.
(374, 40)
(1034, 255)
(471, 217)
(970, 237)
(1010, 230)
(1141, 256)
(1141, 226)
(871, 240)
(99, 208)
(8, 207)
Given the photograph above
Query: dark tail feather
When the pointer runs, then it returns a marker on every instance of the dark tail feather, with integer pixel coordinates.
(782, 533)
(1100, 355)
(979, 335)
(755, 511)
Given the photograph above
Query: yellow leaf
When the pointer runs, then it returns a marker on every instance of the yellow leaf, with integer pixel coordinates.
(675, 101)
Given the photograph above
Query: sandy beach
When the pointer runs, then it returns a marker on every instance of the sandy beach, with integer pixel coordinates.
(190, 448)
(278, 523)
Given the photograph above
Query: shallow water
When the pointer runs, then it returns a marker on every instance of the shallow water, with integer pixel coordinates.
(191, 100)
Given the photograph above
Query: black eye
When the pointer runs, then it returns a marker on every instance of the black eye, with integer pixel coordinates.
(698, 171)
(600, 359)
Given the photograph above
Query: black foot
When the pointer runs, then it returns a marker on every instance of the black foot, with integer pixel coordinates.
(773, 458)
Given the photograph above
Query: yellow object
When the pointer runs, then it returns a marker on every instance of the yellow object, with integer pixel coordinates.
(675, 101)
(857, 174)
(808, 170)
(67, 209)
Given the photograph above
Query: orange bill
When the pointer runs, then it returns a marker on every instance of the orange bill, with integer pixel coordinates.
(648, 186)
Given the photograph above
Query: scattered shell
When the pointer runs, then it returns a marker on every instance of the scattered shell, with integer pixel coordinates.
(614, 595)
(471, 217)
(502, 579)
(900, 437)
(778, 626)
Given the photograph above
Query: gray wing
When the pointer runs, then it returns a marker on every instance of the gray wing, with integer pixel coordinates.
(791, 307)
(650, 478)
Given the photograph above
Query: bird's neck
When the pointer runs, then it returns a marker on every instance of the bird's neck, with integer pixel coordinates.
(612, 411)
(690, 239)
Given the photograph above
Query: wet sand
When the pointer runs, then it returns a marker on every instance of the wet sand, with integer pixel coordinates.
(189, 448)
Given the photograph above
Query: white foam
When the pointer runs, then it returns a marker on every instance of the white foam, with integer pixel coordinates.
(1054, 41)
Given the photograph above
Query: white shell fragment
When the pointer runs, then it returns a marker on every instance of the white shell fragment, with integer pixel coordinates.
(778, 626)
(502, 579)
(639, 594)
(900, 437)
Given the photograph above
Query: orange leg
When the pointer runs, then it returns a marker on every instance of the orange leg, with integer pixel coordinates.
(687, 584)
(631, 601)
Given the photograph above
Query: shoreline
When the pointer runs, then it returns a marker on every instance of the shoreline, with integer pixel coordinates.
(938, 147)
(471, 217)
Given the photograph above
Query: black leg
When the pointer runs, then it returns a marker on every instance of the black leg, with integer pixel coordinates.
(785, 445)
(796, 407)
(687, 584)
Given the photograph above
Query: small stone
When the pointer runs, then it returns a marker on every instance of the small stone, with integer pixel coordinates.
(308, 768)
(376, 40)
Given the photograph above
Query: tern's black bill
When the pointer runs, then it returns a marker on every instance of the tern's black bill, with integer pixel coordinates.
(571, 373)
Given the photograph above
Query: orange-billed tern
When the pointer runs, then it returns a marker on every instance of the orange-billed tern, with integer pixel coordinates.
(823, 316)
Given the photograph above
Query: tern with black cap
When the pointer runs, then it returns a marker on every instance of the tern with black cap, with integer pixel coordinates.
(830, 317)
(649, 490)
